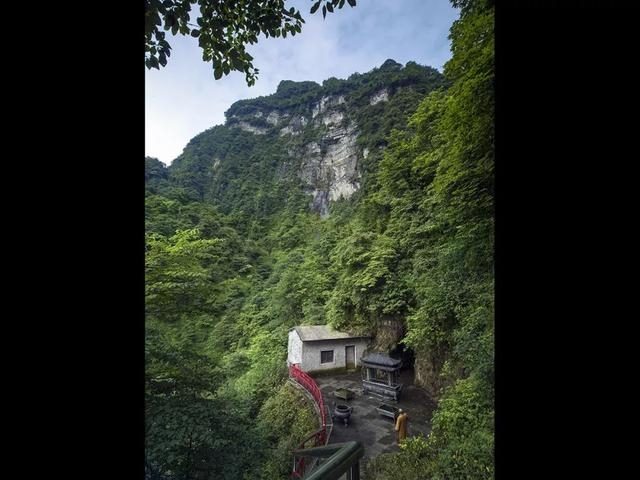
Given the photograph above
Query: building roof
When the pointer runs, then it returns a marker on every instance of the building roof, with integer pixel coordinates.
(380, 360)
(312, 333)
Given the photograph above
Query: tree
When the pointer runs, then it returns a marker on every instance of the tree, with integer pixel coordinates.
(223, 29)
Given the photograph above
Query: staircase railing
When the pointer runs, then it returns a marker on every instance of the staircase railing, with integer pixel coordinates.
(318, 438)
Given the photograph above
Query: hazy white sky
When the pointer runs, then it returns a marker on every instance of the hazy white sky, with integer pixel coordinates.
(183, 99)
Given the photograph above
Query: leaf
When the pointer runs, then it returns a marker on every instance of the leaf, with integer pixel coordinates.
(195, 33)
(352, 2)
(315, 7)
(330, 7)
(324, 11)
(236, 62)
(217, 73)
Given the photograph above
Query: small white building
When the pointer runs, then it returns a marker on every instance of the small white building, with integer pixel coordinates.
(320, 347)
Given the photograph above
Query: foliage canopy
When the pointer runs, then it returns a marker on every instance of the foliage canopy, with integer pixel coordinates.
(223, 28)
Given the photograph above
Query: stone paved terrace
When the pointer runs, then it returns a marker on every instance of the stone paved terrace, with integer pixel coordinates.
(375, 431)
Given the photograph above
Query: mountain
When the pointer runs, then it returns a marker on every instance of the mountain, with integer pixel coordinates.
(315, 140)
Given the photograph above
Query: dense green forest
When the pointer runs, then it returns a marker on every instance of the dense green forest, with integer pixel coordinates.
(237, 253)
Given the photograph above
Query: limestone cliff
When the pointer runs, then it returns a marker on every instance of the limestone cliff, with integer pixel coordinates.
(328, 161)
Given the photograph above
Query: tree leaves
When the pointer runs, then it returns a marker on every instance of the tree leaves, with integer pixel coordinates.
(152, 62)
(225, 28)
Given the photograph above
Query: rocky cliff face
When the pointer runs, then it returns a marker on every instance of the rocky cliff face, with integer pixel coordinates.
(330, 164)
(327, 159)
(319, 135)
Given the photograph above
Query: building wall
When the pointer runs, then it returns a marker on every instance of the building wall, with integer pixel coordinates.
(311, 353)
(294, 348)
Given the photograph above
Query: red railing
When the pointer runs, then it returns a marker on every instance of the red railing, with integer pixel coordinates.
(318, 438)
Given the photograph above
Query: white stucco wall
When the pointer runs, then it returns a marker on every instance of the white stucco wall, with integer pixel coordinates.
(294, 348)
(311, 353)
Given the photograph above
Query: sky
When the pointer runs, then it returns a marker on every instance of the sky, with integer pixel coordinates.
(183, 99)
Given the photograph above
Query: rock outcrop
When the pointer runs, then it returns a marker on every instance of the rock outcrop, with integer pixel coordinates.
(381, 96)
(331, 173)
(328, 165)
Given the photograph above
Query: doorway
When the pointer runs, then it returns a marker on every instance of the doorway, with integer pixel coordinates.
(350, 355)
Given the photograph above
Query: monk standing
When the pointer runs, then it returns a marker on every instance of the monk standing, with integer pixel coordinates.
(401, 425)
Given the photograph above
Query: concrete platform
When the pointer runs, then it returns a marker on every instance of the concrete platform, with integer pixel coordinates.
(375, 431)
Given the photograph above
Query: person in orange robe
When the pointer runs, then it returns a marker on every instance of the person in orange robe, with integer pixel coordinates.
(401, 425)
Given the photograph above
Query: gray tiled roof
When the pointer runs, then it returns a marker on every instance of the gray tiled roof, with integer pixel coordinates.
(310, 333)
(377, 358)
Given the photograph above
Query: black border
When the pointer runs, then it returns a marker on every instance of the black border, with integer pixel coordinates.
(560, 71)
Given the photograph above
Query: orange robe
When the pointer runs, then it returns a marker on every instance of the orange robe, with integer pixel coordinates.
(401, 426)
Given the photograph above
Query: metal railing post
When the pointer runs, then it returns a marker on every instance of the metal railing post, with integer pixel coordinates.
(355, 471)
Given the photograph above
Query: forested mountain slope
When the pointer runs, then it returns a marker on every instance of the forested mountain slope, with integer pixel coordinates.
(366, 203)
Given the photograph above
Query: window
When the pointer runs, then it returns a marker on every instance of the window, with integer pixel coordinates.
(326, 356)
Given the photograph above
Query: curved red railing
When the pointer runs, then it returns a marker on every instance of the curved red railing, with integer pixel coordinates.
(318, 438)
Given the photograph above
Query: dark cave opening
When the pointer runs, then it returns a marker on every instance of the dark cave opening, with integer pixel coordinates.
(404, 353)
